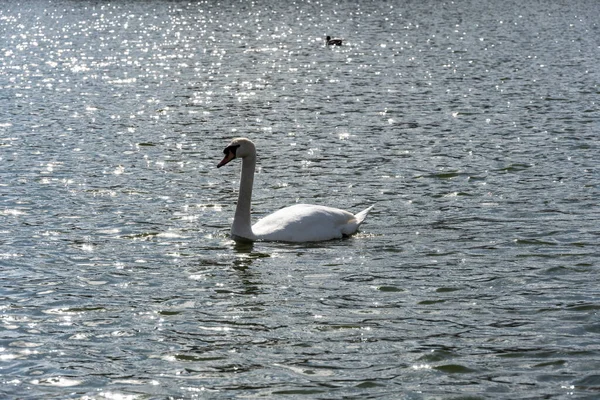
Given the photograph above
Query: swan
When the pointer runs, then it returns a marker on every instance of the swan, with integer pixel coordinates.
(297, 223)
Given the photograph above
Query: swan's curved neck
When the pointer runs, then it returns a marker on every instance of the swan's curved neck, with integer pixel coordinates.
(242, 225)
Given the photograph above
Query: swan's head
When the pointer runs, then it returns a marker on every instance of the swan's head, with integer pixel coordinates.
(238, 148)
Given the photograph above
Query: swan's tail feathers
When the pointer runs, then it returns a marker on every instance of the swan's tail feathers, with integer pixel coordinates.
(360, 217)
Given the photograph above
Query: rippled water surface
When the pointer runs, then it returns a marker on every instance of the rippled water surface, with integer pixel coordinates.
(472, 126)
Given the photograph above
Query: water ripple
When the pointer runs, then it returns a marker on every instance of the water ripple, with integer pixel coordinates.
(473, 130)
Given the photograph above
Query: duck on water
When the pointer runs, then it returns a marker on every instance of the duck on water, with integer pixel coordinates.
(333, 41)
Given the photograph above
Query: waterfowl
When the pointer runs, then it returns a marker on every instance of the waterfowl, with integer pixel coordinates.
(333, 42)
(297, 223)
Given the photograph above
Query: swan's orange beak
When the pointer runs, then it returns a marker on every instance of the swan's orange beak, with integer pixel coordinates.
(230, 155)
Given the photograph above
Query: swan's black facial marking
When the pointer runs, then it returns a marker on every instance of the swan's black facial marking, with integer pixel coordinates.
(229, 154)
(231, 149)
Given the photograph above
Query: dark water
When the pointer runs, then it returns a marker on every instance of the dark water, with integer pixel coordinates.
(472, 126)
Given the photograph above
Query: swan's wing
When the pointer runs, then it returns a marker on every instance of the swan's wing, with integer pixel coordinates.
(307, 223)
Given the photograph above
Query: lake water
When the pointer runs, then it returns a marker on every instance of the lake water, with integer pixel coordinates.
(472, 126)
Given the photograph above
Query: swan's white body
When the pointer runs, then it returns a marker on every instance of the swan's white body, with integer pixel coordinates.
(297, 223)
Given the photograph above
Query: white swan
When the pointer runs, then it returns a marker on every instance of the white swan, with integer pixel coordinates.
(297, 223)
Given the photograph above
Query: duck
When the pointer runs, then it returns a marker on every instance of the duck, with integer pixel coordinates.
(297, 223)
(333, 42)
